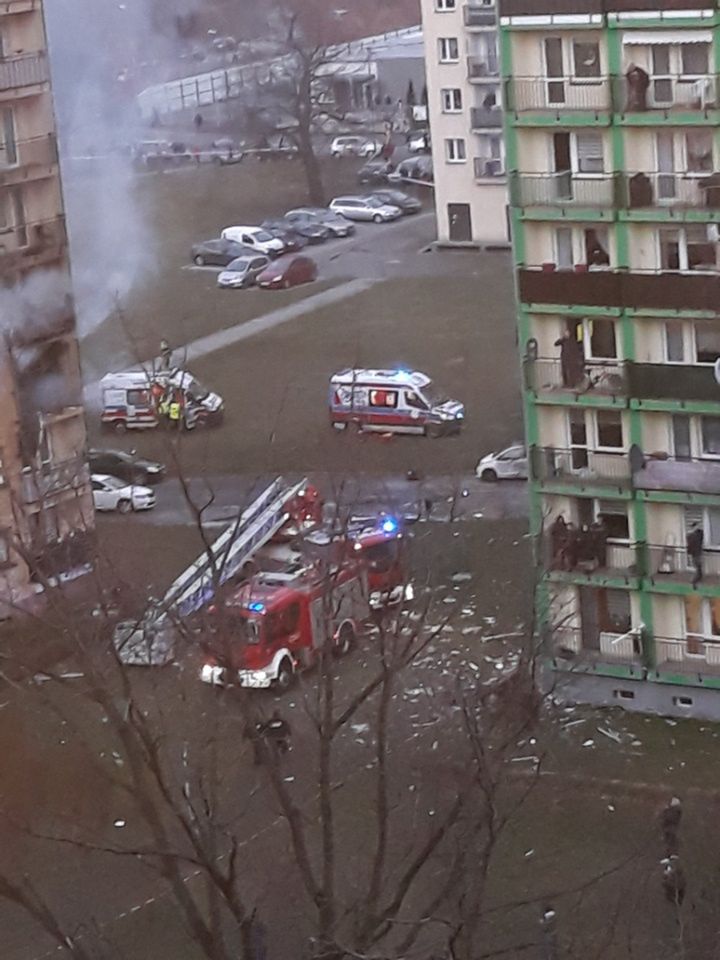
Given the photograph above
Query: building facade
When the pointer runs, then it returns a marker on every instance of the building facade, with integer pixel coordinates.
(46, 511)
(465, 115)
(613, 152)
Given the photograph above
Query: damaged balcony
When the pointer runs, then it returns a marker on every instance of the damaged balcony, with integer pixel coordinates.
(52, 480)
(601, 651)
(24, 160)
(686, 475)
(580, 466)
(27, 245)
(670, 564)
(66, 558)
(550, 377)
(693, 657)
(651, 190)
(28, 70)
(585, 555)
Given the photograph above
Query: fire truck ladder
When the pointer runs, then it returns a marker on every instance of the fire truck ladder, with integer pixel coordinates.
(232, 549)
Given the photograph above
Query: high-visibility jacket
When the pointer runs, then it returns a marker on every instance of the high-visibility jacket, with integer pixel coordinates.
(174, 410)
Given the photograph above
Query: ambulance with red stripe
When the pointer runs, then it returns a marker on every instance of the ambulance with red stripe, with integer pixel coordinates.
(398, 401)
(130, 399)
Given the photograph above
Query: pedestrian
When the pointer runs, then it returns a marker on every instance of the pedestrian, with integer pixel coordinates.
(277, 730)
(673, 882)
(694, 544)
(428, 504)
(670, 817)
(165, 355)
(198, 121)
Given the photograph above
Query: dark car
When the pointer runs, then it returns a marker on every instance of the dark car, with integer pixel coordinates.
(288, 273)
(125, 466)
(218, 252)
(292, 240)
(397, 198)
(308, 227)
(374, 172)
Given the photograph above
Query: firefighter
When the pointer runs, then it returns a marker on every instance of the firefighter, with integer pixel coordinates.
(165, 355)
(277, 731)
(175, 411)
(163, 406)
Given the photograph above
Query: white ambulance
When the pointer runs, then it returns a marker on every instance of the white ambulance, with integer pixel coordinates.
(131, 399)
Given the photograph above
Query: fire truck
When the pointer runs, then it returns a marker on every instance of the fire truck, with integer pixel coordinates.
(306, 595)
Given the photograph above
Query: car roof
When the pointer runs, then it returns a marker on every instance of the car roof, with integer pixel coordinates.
(386, 377)
(349, 196)
(246, 260)
(95, 452)
(103, 477)
(130, 379)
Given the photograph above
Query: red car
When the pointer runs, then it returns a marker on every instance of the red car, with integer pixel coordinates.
(288, 273)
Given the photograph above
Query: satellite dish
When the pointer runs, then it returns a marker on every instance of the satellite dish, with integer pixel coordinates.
(717, 369)
(637, 459)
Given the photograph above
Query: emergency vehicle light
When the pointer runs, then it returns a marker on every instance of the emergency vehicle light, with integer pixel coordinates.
(390, 525)
(256, 606)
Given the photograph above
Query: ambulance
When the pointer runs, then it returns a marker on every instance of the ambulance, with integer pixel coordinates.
(130, 399)
(401, 401)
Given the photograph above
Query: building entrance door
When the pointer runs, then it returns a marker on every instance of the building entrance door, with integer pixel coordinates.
(460, 223)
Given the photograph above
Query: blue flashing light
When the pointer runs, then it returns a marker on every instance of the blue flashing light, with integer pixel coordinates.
(256, 607)
(402, 374)
(390, 525)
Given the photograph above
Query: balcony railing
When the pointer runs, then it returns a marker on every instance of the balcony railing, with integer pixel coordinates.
(25, 71)
(522, 8)
(557, 94)
(597, 377)
(563, 190)
(692, 655)
(61, 559)
(571, 549)
(670, 92)
(30, 244)
(617, 288)
(673, 564)
(481, 117)
(653, 190)
(479, 16)
(660, 381)
(580, 465)
(690, 475)
(570, 644)
(486, 168)
(17, 159)
(68, 475)
(481, 67)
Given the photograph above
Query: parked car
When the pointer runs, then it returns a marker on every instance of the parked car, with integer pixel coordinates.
(355, 146)
(109, 493)
(364, 208)
(242, 272)
(336, 224)
(125, 466)
(418, 141)
(396, 198)
(414, 168)
(292, 240)
(255, 238)
(508, 464)
(376, 171)
(217, 252)
(288, 273)
(310, 230)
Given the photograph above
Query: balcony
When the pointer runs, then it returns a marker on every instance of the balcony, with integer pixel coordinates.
(62, 560)
(691, 475)
(666, 94)
(29, 245)
(670, 191)
(54, 479)
(604, 378)
(475, 16)
(580, 466)
(562, 190)
(693, 656)
(573, 647)
(672, 381)
(526, 8)
(486, 168)
(557, 95)
(483, 117)
(482, 68)
(27, 159)
(673, 564)
(611, 288)
(586, 553)
(29, 70)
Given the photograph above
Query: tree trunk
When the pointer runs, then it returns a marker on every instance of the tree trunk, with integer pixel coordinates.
(313, 174)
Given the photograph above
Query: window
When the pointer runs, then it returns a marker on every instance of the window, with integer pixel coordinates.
(443, 5)
(589, 150)
(8, 146)
(702, 616)
(138, 398)
(490, 161)
(383, 398)
(686, 249)
(674, 342)
(449, 50)
(609, 429)
(613, 513)
(599, 337)
(707, 343)
(415, 401)
(451, 99)
(694, 58)
(614, 613)
(455, 149)
(699, 151)
(710, 436)
(563, 247)
(586, 59)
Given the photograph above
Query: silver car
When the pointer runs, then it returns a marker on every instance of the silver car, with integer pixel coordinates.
(365, 208)
(242, 272)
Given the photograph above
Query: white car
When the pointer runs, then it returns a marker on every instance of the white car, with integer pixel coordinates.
(508, 464)
(255, 238)
(365, 208)
(419, 142)
(354, 146)
(242, 272)
(109, 493)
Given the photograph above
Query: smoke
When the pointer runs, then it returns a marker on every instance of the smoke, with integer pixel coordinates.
(38, 309)
(96, 51)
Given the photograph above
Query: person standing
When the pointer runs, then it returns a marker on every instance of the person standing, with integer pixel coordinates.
(572, 359)
(694, 545)
(175, 411)
(165, 355)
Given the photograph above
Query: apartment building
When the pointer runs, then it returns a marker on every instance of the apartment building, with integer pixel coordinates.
(46, 511)
(613, 156)
(465, 115)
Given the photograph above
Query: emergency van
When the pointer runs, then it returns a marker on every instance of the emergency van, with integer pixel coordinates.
(401, 401)
(131, 400)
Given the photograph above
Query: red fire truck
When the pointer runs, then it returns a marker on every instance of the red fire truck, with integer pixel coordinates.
(275, 624)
